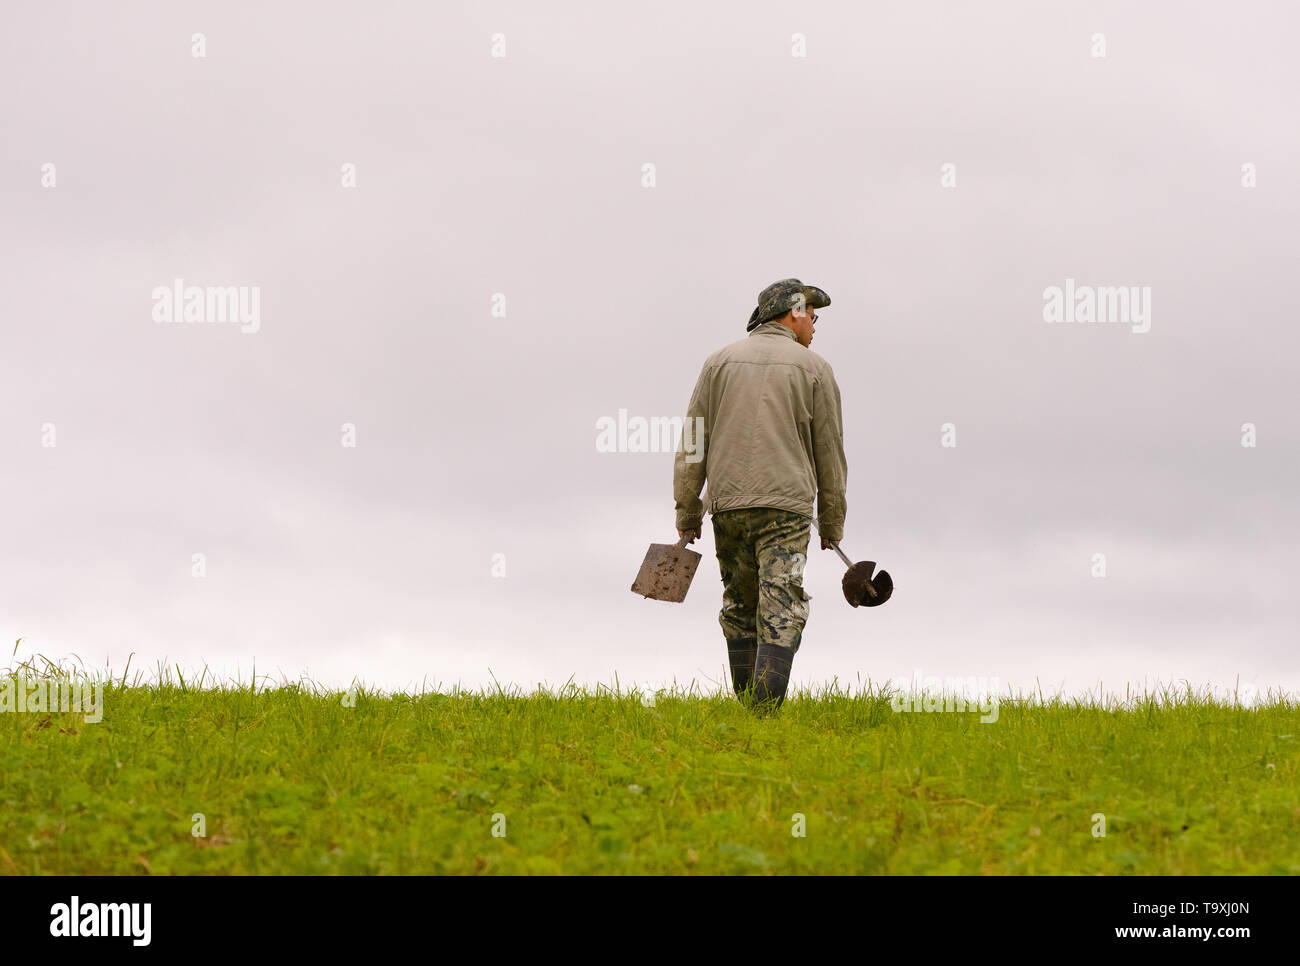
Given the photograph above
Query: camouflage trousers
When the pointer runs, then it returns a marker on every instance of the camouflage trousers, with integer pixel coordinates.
(761, 553)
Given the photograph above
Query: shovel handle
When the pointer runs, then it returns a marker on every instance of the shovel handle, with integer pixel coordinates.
(835, 546)
(871, 591)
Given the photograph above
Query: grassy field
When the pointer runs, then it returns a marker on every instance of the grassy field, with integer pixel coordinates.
(292, 779)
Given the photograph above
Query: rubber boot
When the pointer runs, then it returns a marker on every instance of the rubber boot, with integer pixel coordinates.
(771, 677)
(741, 652)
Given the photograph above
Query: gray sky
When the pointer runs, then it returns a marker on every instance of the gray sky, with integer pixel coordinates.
(476, 434)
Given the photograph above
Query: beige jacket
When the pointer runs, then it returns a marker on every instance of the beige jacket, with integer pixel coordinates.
(771, 433)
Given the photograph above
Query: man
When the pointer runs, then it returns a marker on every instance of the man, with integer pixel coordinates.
(772, 438)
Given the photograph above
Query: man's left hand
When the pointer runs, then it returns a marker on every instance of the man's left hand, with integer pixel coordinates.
(694, 535)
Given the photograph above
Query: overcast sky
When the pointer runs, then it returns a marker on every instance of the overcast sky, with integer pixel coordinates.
(523, 176)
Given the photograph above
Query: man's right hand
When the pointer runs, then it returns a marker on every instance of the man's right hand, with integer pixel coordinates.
(828, 544)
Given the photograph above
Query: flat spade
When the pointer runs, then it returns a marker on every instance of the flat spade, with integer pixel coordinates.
(666, 571)
(860, 587)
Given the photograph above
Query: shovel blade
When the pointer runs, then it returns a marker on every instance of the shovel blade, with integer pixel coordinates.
(666, 572)
(860, 588)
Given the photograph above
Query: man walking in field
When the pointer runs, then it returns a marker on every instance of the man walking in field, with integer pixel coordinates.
(773, 438)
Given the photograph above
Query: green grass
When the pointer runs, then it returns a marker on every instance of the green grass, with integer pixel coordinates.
(291, 780)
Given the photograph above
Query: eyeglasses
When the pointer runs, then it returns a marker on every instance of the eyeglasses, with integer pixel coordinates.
(813, 320)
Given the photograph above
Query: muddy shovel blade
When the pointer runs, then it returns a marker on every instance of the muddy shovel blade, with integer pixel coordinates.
(666, 572)
(861, 588)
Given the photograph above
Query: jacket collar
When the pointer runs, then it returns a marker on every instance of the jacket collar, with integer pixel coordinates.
(770, 328)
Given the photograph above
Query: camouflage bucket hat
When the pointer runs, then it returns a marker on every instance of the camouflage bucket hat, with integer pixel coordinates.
(780, 297)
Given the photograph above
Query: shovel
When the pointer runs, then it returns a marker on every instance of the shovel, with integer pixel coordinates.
(666, 571)
(860, 587)
(668, 568)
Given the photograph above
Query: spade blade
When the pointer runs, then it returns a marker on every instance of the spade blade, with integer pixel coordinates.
(666, 572)
(861, 588)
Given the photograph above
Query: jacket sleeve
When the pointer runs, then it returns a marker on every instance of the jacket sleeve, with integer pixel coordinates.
(828, 453)
(689, 468)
